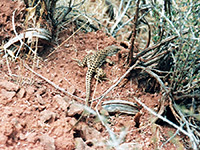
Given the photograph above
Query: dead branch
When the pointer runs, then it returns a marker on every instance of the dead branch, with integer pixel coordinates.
(133, 37)
(149, 33)
(187, 96)
(177, 131)
(119, 18)
(156, 46)
(148, 70)
(194, 141)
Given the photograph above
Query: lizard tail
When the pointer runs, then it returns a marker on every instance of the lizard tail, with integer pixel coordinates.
(88, 87)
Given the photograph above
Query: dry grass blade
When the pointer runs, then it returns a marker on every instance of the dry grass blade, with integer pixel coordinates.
(120, 106)
(39, 33)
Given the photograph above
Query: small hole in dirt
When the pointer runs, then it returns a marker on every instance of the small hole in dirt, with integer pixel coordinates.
(78, 133)
(90, 144)
(124, 45)
(56, 119)
(137, 125)
(12, 32)
(169, 115)
(77, 116)
(47, 121)
(8, 18)
(10, 115)
(18, 29)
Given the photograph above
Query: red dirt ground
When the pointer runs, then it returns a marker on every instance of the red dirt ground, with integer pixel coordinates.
(35, 115)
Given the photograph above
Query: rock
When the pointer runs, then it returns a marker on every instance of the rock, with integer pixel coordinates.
(130, 146)
(40, 99)
(3, 139)
(2, 63)
(61, 102)
(64, 142)
(64, 139)
(21, 93)
(47, 116)
(30, 90)
(22, 136)
(47, 142)
(32, 137)
(72, 121)
(7, 129)
(7, 95)
(91, 136)
(41, 91)
(80, 144)
(9, 85)
(74, 109)
(71, 89)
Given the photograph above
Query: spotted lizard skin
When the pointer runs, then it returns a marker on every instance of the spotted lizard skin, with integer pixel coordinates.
(94, 62)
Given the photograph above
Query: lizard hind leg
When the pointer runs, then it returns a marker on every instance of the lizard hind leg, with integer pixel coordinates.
(84, 62)
(100, 75)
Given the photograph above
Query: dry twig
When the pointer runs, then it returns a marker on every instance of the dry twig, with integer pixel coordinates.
(133, 37)
(189, 134)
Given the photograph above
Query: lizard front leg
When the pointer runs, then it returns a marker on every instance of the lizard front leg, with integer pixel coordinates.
(110, 62)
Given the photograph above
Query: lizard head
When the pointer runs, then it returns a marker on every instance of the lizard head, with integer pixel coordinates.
(112, 50)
